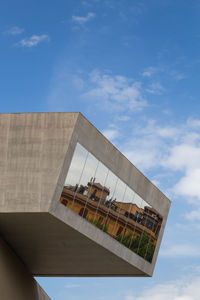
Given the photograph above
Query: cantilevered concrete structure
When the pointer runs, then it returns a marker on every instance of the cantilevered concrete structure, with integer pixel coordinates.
(71, 204)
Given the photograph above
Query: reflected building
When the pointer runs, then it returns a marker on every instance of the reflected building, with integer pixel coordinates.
(110, 204)
(71, 204)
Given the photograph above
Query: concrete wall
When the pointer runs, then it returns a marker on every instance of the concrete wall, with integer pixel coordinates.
(33, 147)
(16, 283)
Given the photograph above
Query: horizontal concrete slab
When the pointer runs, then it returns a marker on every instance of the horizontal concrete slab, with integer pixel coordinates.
(49, 247)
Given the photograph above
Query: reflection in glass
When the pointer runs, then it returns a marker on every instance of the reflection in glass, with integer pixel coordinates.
(119, 199)
(109, 203)
(144, 238)
(154, 221)
(102, 191)
(128, 213)
(134, 220)
(125, 212)
(98, 195)
(86, 181)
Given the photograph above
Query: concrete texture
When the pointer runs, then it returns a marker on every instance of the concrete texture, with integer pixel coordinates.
(33, 148)
(51, 247)
(16, 282)
(36, 151)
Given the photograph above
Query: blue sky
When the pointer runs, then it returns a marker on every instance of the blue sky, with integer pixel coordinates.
(132, 68)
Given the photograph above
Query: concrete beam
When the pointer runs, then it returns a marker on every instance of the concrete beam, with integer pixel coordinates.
(16, 282)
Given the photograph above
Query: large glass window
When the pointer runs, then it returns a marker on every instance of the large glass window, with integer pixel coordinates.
(95, 193)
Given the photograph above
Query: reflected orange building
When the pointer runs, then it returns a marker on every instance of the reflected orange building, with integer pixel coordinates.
(116, 218)
(96, 191)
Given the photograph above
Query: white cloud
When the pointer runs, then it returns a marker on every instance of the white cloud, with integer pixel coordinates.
(149, 71)
(180, 250)
(188, 185)
(172, 74)
(184, 157)
(194, 268)
(115, 95)
(174, 149)
(167, 132)
(115, 92)
(177, 75)
(83, 20)
(155, 182)
(72, 285)
(111, 134)
(193, 216)
(155, 88)
(147, 146)
(33, 41)
(167, 112)
(143, 159)
(123, 118)
(15, 30)
(183, 289)
(194, 123)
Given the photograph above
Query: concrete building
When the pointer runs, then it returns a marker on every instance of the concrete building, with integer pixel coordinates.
(71, 205)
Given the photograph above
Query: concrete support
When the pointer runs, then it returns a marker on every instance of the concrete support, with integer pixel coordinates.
(16, 283)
